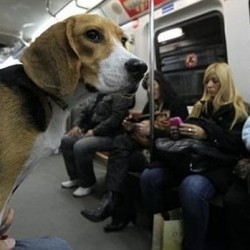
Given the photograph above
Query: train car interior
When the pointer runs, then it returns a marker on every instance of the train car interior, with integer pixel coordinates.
(188, 36)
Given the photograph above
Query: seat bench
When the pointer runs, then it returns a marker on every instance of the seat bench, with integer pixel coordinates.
(102, 157)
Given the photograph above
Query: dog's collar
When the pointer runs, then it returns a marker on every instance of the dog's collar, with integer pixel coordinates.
(62, 104)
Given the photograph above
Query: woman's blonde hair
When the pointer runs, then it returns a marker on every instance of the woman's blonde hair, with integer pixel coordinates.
(227, 93)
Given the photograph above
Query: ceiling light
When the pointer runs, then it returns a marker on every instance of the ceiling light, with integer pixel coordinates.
(170, 34)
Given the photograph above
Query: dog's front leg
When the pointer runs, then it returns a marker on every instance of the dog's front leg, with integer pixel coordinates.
(12, 162)
(17, 137)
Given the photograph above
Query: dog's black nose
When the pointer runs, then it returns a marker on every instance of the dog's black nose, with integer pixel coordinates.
(136, 67)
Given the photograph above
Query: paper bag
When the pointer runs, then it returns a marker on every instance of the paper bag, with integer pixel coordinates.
(167, 235)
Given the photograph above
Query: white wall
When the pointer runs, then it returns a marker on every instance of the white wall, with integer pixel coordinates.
(237, 28)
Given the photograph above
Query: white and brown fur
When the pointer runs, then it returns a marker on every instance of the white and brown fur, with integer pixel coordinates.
(35, 97)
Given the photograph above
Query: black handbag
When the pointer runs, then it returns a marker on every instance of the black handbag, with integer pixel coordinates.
(242, 170)
(202, 154)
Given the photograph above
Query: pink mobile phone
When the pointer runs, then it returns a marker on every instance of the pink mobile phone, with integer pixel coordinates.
(175, 121)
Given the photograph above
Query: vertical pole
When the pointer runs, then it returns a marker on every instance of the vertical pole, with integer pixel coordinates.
(151, 73)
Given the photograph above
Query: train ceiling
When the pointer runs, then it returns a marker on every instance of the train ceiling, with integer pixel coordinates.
(22, 20)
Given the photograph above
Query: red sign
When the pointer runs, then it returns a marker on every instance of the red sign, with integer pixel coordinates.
(136, 7)
(191, 60)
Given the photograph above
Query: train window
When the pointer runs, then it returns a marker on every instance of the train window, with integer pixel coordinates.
(185, 50)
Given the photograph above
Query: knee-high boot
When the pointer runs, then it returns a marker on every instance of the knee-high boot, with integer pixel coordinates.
(124, 212)
(104, 210)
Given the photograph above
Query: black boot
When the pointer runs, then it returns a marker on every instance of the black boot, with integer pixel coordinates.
(118, 224)
(124, 212)
(103, 211)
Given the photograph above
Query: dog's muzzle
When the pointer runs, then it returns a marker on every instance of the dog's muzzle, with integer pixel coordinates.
(136, 68)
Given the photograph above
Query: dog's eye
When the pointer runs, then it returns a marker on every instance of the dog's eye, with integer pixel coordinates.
(94, 36)
(124, 41)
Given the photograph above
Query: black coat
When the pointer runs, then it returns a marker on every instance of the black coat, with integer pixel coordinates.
(104, 114)
(220, 136)
(217, 126)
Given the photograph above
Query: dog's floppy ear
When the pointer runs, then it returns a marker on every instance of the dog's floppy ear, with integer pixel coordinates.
(51, 63)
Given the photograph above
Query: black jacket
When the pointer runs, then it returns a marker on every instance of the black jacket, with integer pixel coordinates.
(104, 114)
(217, 126)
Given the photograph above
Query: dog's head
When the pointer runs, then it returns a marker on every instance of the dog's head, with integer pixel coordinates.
(83, 49)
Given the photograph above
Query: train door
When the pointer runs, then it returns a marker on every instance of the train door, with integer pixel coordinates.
(184, 50)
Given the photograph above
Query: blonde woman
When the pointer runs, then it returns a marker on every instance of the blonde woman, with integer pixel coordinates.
(218, 118)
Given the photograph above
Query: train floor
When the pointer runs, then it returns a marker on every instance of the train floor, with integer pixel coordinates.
(43, 208)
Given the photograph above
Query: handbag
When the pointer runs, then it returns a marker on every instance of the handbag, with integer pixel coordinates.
(202, 154)
(242, 170)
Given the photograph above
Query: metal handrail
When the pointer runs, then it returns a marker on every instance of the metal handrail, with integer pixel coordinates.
(151, 73)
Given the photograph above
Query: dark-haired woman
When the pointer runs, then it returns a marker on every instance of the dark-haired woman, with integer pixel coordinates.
(127, 153)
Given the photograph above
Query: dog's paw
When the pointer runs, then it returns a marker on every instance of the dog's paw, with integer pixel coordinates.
(8, 217)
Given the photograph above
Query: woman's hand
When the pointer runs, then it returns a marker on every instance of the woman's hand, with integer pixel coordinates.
(143, 128)
(192, 131)
(162, 122)
(128, 126)
(141, 132)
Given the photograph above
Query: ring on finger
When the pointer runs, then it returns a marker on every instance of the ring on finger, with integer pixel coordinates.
(189, 130)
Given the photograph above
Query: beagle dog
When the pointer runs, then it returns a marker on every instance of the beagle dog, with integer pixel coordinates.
(61, 67)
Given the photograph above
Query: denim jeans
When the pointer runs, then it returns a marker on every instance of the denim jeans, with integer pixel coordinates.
(157, 190)
(44, 243)
(78, 153)
(195, 193)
